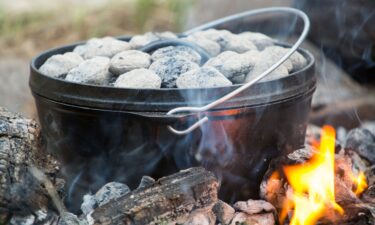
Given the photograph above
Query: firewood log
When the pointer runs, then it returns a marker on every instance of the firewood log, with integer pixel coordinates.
(171, 198)
(20, 148)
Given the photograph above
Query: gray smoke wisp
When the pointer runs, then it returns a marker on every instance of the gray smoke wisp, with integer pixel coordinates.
(345, 30)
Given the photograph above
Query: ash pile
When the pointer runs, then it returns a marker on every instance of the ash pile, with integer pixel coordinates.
(232, 59)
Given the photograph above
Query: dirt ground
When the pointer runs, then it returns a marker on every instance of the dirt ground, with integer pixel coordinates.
(14, 90)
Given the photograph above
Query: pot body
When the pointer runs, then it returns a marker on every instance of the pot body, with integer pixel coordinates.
(103, 134)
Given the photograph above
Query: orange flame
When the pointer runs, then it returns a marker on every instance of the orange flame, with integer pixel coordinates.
(313, 184)
(360, 182)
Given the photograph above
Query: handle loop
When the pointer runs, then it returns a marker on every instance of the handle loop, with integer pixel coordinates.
(255, 79)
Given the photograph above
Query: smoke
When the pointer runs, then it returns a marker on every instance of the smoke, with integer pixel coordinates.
(344, 29)
(240, 138)
(344, 32)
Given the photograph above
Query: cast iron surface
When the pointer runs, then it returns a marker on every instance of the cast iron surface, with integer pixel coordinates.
(96, 146)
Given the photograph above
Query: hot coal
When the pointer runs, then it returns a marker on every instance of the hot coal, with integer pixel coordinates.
(224, 212)
(92, 71)
(188, 197)
(262, 66)
(211, 47)
(39, 217)
(89, 204)
(111, 191)
(202, 78)
(369, 125)
(227, 40)
(363, 142)
(367, 151)
(106, 47)
(59, 65)
(177, 51)
(129, 60)
(273, 54)
(254, 212)
(232, 64)
(139, 78)
(108, 192)
(71, 219)
(169, 69)
(243, 218)
(174, 199)
(239, 57)
(261, 41)
(357, 137)
(201, 217)
(146, 181)
(263, 60)
(139, 41)
(254, 206)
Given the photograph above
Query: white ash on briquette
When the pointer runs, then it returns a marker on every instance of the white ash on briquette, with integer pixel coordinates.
(59, 65)
(146, 181)
(170, 68)
(92, 71)
(129, 60)
(106, 47)
(231, 64)
(108, 192)
(238, 57)
(176, 51)
(260, 40)
(139, 41)
(202, 78)
(211, 47)
(139, 78)
(227, 40)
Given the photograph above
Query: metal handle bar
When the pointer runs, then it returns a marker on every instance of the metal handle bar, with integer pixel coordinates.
(255, 79)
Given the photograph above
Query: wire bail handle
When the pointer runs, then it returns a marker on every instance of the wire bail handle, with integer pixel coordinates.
(252, 81)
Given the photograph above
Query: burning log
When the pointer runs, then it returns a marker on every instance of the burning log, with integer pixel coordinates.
(20, 192)
(171, 198)
(312, 166)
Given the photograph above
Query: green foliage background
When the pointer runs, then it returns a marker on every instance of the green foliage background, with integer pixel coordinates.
(40, 28)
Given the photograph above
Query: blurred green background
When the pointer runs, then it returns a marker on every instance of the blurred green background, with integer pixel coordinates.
(26, 27)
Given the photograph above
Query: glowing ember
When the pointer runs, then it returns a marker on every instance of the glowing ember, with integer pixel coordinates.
(313, 184)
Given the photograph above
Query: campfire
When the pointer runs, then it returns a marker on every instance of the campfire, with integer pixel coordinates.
(322, 183)
(204, 128)
(312, 194)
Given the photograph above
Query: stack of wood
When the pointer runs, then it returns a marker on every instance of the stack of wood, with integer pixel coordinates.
(20, 148)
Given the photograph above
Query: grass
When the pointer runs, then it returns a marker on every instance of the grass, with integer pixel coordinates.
(31, 32)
